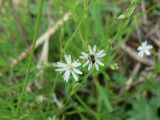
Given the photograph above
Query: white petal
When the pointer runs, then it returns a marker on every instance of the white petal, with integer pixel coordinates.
(99, 62)
(94, 49)
(84, 54)
(90, 50)
(141, 54)
(144, 44)
(100, 54)
(147, 52)
(60, 69)
(83, 57)
(89, 66)
(66, 75)
(149, 47)
(139, 48)
(60, 64)
(86, 63)
(77, 71)
(74, 76)
(76, 64)
(68, 59)
(97, 68)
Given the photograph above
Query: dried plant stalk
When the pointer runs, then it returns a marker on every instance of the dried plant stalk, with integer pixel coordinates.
(41, 40)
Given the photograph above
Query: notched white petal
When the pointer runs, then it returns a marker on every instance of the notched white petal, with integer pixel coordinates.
(83, 57)
(86, 63)
(60, 64)
(149, 47)
(139, 48)
(90, 50)
(76, 64)
(74, 76)
(100, 56)
(96, 66)
(147, 52)
(77, 71)
(84, 54)
(140, 54)
(68, 59)
(99, 53)
(89, 66)
(66, 75)
(99, 62)
(94, 49)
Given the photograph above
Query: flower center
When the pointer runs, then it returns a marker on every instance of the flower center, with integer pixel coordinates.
(144, 49)
(70, 66)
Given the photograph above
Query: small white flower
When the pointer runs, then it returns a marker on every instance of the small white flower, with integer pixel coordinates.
(52, 118)
(68, 68)
(144, 49)
(92, 57)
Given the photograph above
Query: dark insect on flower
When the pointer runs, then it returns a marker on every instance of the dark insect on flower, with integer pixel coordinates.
(92, 58)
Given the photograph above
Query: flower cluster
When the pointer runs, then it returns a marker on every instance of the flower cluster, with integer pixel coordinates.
(91, 58)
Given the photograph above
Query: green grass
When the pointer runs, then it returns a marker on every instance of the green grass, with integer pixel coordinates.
(96, 96)
(31, 54)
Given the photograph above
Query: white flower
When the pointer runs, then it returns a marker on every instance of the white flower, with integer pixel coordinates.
(92, 57)
(52, 118)
(144, 49)
(68, 68)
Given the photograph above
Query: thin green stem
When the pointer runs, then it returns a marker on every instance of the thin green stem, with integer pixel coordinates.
(31, 54)
(138, 31)
(72, 36)
(66, 100)
(76, 29)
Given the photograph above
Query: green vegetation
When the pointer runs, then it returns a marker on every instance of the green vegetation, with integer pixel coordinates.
(125, 88)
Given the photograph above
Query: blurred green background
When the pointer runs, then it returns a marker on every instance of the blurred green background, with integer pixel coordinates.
(124, 89)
